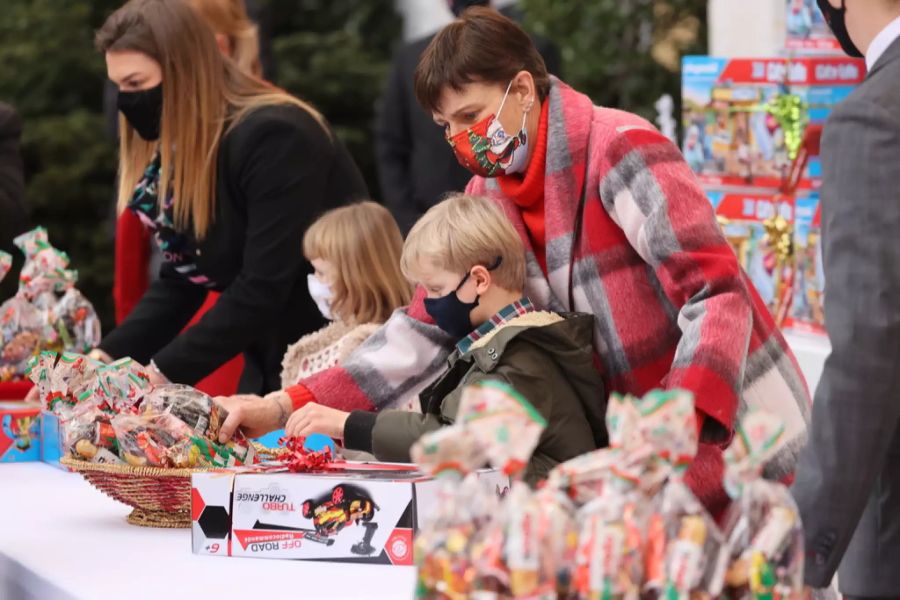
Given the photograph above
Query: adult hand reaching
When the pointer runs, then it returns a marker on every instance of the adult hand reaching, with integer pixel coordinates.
(255, 416)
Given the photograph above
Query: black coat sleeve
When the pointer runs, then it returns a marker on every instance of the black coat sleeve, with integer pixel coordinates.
(162, 313)
(394, 142)
(281, 172)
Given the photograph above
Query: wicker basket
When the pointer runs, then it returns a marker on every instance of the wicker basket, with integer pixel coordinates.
(160, 497)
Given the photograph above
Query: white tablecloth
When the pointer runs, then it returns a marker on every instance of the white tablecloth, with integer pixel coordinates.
(61, 539)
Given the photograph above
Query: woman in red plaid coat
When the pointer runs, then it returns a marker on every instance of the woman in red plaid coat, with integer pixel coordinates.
(614, 224)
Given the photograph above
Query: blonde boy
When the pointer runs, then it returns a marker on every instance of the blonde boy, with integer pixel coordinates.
(471, 262)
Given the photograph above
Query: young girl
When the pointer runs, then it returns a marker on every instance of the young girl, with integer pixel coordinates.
(357, 284)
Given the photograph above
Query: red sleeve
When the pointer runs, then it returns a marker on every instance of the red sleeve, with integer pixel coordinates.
(670, 223)
(132, 260)
(300, 396)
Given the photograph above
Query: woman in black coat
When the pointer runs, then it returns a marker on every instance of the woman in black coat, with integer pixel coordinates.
(249, 168)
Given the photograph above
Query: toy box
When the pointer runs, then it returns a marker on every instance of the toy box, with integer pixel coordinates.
(51, 439)
(807, 311)
(366, 513)
(20, 435)
(807, 31)
(758, 227)
(735, 137)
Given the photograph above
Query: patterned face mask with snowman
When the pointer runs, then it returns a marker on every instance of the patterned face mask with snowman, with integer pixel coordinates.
(487, 150)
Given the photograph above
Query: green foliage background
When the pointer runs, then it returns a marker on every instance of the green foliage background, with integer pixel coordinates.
(334, 53)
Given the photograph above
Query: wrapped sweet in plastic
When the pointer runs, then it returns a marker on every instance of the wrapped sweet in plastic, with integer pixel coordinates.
(192, 406)
(609, 561)
(5, 264)
(685, 553)
(762, 526)
(153, 440)
(89, 435)
(64, 381)
(69, 323)
(442, 546)
(21, 331)
(528, 549)
(122, 384)
(504, 422)
(74, 323)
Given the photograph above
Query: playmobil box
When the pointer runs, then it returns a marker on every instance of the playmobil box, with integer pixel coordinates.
(807, 309)
(20, 435)
(366, 513)
(807, 31)
(759, 227)
(738, 129)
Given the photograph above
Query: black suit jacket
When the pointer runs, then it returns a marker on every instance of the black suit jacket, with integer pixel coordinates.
(848, 477)
(416, 166)
(278, 170)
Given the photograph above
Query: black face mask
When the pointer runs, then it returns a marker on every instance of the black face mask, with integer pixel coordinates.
(837, 21)
(459, 6)
(452, 314)
(143, 111)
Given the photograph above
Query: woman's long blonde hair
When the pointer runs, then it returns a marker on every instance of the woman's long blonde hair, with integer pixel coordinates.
(229, 18)
(204, 94)
(363, 243)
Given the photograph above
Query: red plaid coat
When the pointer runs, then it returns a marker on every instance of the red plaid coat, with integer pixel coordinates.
(673, 308)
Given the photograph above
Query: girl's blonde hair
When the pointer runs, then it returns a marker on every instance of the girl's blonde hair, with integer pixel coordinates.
(229, 18)
(204, 95)
(462, 232)
(363, 243)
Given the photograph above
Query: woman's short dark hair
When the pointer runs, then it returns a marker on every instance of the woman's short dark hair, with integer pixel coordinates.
(482, 46)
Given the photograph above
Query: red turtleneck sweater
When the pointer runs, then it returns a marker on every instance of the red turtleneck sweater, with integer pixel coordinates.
(527, 191)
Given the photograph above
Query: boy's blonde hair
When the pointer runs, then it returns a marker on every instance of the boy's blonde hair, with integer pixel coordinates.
(363, 242)
(462, 232)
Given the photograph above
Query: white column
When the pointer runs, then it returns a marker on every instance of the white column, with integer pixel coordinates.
(422, 17)
(746, 28)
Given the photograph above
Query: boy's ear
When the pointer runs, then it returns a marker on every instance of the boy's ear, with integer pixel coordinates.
(482, 278)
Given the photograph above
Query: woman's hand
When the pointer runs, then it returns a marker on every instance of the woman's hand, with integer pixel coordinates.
(255, 416)
(315, 418)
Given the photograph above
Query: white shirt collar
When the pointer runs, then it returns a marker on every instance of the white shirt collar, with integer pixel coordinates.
(882, 42)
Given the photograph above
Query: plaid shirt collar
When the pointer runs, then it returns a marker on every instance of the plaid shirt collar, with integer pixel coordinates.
(500, 318)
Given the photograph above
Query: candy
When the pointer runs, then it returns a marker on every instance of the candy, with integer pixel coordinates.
(74, 322)
(5, 264)
(763, 525)
(21, 331)
(88, 433)
(504, 422)
(442, 547)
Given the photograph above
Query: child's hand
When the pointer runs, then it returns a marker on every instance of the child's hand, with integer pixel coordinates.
(315, 418)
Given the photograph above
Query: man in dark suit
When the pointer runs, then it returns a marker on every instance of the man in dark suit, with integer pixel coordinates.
(13, 216)
(848, 478)
(416, 166)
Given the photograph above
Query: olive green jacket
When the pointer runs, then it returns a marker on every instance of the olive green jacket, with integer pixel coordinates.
(548, 358)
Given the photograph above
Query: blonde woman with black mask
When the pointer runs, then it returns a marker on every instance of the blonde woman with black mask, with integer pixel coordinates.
(228, 172)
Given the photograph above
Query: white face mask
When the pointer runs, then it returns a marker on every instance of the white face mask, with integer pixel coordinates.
(321, 294)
